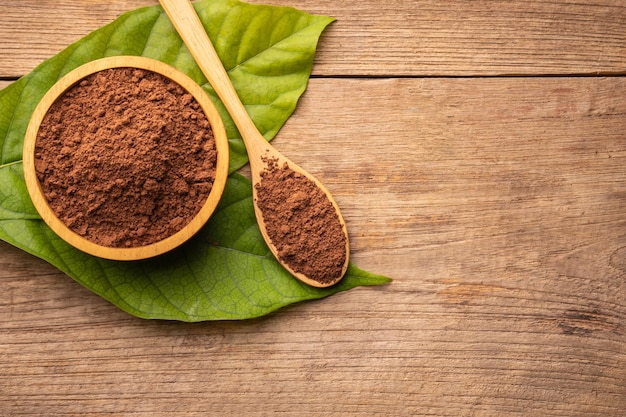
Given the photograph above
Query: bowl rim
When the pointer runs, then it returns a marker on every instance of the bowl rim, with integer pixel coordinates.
(125, 253)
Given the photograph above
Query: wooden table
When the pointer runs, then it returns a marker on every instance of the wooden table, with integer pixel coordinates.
(478, 150)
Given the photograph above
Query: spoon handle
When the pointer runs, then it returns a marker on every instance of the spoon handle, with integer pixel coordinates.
(260, 152)
(189, 27)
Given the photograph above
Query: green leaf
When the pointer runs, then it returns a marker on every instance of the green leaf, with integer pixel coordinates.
(226, 271)
(267, 50)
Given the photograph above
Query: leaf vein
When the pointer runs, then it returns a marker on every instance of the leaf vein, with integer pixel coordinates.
(10, 127)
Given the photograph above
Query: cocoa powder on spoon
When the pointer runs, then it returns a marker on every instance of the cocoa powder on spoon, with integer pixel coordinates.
(301, 222)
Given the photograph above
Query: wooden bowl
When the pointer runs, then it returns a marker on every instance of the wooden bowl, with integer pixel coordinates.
(125, 253)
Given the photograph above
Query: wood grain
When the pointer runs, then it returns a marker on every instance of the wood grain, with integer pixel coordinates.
(496, 204)
(35, 30)
(399, 37)
(503, 227)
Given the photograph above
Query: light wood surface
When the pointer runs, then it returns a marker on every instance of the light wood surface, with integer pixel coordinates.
(496, 202)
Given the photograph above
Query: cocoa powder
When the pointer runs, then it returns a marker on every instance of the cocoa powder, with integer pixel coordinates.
(301, 222)
(126, 157)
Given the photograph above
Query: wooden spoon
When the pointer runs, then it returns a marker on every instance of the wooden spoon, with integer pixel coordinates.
(188, 24)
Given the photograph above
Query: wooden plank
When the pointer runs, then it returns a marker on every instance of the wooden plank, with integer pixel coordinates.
(497, 205)
(33, 30)
(401, 37)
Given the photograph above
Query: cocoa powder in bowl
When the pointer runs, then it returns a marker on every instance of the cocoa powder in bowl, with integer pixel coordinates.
(126, 157)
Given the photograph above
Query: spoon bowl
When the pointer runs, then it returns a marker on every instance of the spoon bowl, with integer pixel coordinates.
(188, 24)
(134, 252)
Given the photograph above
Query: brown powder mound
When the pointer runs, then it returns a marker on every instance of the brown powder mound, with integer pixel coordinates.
(126, 157)
(302, 223)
